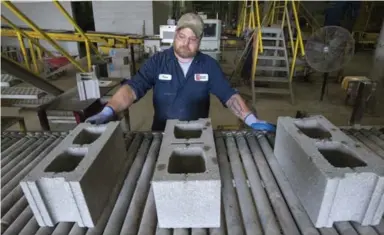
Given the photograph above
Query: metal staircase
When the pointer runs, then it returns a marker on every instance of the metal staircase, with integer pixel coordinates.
(272, 65)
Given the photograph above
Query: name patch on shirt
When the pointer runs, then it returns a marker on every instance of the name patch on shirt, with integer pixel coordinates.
(166, 77)
(201, 77)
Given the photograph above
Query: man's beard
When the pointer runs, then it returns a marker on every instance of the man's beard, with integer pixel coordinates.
(184, 52)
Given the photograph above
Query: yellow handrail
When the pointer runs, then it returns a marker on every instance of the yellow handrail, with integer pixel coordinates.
(33, 56)
(24, 18)
(299, 36)
(23, 50)
(259, 26)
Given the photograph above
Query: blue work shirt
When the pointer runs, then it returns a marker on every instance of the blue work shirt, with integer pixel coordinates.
(176, 96)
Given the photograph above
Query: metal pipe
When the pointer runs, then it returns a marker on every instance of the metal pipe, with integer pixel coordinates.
(5, 146)
(26, 169)
(231, 206)
(19, 223)
(16, 160)
(368, 143)
(120, 208)
(30, 228)
(5, 153)
(76, 230)
(283, 214)
(297, 210)
(328, 231)
(364, 230)
(163, 231)
(27, 76)
(149, 219)
(13, 213)
(24, 18)
(376, 140)
(26, 36)
(251, 222)
(23, 50)
(345, 228)
(62, 228)
(180, 231)
(4, 141)
(264, 209)
(107, 212)
(8, 201)
(132, 219)
(45, 231)
(14, 154)
(199, 231)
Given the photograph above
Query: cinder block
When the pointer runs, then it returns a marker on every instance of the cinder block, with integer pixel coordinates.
(181, 132)
(334, 177)
(186, 182)
(73, 182)
(88, 86)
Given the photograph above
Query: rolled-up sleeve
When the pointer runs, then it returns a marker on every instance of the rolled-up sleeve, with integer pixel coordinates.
(144, 79)
(219, 84)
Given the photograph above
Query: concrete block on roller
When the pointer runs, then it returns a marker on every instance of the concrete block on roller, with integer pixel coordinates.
(334, 177)
(73, 182)
(198, 131)
(186, 183)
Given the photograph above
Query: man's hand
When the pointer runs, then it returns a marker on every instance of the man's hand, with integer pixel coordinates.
(106, 115)
(259, 125)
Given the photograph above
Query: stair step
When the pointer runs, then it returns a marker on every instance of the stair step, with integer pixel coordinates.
(265, 90)
(271, 29)
(271, 68)
(8, 80)
(268, 57)
(273, 48)
(21, 93)
(271, 79)
(272, 38)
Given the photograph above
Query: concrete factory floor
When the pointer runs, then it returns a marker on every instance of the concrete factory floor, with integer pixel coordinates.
(268, 107)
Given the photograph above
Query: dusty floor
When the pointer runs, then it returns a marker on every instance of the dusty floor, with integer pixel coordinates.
(268, 107)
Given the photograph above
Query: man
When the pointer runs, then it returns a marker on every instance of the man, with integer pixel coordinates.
(182, 79)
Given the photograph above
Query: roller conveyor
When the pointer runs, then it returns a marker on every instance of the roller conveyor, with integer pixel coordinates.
(256, 196)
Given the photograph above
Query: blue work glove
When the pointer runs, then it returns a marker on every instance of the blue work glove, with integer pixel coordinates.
(106, 115)
(259, 125)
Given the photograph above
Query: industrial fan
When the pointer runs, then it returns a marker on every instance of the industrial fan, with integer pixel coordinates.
(328, 50)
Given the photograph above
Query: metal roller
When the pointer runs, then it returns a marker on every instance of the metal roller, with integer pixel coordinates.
(39, 147)
(368, 143)
(264, 209)
(377, 133)
(45, 231)
(181, 231)
(149, 219)
(30, 228)
(328, 231)
(380, 227)
(12, 163)
(228, 195)
(5, 146)
(345, 228)
(19, 223)
(375, 139)
(15, 149)
(62, 228)
(364, 230)
(221, 230)
(27, 167)
(115, 193)
(13, 213)
(247, 207)
(11, 198)
(163, 231)
(283, 214)
(76, 230)
(298, 212)
(120, 208)
(136, 207)
(199, 231)
(5, 142)
(10, 148)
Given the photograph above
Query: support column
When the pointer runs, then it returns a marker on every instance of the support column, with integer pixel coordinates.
(377, 73)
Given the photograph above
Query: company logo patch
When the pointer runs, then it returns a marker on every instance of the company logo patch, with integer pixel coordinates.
(201, 77)
(166, 77)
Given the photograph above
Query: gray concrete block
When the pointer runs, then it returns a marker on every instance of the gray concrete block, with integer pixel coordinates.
(73, 182)
(180, 132)
(186, 183)
(335, 178)
(88, 86)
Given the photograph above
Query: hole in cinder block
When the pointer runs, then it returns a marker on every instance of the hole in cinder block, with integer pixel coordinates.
(88, 135)
(339, 156)
(188, 131)
(186, 160)
(65, 162)
(313, 129)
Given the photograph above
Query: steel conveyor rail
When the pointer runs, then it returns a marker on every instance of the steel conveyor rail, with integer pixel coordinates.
(257, 198)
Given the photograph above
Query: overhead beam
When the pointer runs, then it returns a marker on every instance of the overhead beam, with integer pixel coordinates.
(27, 76)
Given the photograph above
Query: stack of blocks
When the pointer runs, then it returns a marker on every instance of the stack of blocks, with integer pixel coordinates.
(334, 177)
(73, 182)
(88, 86)
(186, 183)
(119, 67)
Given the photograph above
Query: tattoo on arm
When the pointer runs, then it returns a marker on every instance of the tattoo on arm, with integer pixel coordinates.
(237, 105)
